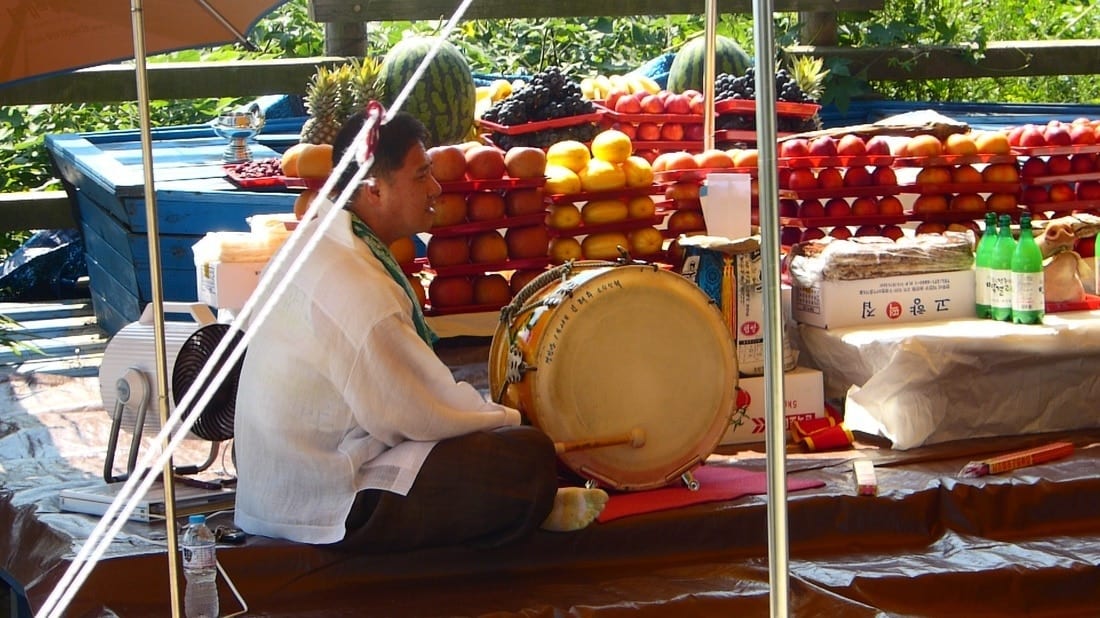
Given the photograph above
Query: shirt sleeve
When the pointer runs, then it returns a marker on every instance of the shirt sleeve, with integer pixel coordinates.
(398, 389)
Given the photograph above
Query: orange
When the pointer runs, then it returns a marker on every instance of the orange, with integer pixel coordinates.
(289, 161)
(302, 202)
(314, 161)
(612, 146)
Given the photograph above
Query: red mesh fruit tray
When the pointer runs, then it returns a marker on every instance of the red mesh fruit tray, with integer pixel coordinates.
(473, 268)
(961, 187)
(531, 127)
(690, 146)
(837, 161)
(1050, 180)
(460, 186)
(626, 225)
(861, 191)
(1086, 205)
(950, 216)
(1055, 150)
(472, 227)
(740, 135)
(699, 174)
(853, 220)
(588, 196)
(941, 160)
(654, 118)
(782, 108)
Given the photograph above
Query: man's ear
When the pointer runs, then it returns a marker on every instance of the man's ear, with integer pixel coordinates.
(370, 185)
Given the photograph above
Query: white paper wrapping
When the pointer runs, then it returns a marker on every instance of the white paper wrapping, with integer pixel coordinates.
(940, 381)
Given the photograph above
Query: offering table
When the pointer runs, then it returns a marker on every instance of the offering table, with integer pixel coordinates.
(930, 382)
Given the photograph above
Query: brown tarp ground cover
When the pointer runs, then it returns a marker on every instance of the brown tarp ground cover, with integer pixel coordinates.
(1025, 543)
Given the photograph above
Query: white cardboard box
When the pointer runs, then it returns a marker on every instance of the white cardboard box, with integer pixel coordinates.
(227, 285)
(804, 399)
(885, 300)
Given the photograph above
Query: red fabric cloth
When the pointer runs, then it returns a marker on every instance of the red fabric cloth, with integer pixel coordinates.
(716, 482)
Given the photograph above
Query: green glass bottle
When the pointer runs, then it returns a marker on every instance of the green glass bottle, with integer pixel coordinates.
(1028, 297)
(983, 257)
(1000, 271)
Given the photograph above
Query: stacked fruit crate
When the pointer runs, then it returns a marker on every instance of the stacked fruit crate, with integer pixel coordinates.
(1060, 166)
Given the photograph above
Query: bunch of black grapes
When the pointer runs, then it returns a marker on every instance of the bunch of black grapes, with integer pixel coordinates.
(743, 87)
(547, 96)
(728, 86)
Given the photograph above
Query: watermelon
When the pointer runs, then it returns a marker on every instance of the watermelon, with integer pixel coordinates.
(686, 72)
(445, 95)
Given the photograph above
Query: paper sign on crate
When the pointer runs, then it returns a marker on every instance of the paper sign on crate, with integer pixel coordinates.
(885, 300)
(804, 399)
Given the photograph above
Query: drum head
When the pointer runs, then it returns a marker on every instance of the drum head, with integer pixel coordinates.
(635, 347)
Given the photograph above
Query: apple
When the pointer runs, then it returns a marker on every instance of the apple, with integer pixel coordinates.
(529, 241)
(1059, 165)
(929, 202)
(525, 162)
(521, 278)
(485, 206)
(931, 227)
(868, 230)
(795, 147)
(678, 160)
(448, 163)
(1035, 194)
(960, 144)
(877, 146)
(672, 131)
(698, 103)
(448, 251)
(788, 208)
(1062, 192)
(747, 158)
(837, 207)
(1083, 163)
(790, 235)
(628, 104)
(1033, 167)
(1086, 247)
(1032, 137)
(830, 178)
(613, 97)
(485, 163)
(783, 175)
(851, 145)
(678, 104)
(864, 206)
(1088, 190)
(628, 129)
(451, 292)
(685, 221)
(857, 176)
(884, 176)
(693, 132)
(652, 104)
(1057, 135)
(1081, 133)
(810, 209)
(488, 247)
(649, 131)
(1014, 135)
(1002, 203)
(892, 232)
(682, 190)
(812, 233)
(450, 209)
(935, 175)
(803, 179)
(824, 146)
(491, 289)
(840, 232)
(713, 158)
(1002, 172)
(992, 142)
(519, 202)
(924, 145)
(967, 202)
(890, 205)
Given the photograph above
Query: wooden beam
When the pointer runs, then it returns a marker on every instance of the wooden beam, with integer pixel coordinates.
(1002, 59)
(177, 80)
(336, 11)
(35, 210)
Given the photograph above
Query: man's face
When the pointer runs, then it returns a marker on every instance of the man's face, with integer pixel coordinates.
(406, 198)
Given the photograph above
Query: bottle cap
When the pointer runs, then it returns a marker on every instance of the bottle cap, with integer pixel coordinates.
(197, 519)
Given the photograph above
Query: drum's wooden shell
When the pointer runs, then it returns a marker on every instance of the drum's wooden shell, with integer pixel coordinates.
(632, 347)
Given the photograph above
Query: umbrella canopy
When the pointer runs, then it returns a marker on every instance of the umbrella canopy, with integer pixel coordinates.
(42, 38)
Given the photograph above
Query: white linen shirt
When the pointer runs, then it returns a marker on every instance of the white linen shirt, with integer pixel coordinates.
(338, 393)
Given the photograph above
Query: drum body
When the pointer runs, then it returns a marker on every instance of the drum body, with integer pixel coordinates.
(606, 350)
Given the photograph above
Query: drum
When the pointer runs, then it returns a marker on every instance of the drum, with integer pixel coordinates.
(630, 369)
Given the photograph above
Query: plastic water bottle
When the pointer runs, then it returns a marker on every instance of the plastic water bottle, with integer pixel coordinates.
(1000, 276)
(982, 260)
(200, 597)
(1028, 296)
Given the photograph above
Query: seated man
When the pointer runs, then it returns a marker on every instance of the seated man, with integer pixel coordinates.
(349, 429)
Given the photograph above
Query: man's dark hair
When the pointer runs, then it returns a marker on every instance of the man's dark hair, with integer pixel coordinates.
(395, 138)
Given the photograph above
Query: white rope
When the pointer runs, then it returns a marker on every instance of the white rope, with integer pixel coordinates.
(179, 423)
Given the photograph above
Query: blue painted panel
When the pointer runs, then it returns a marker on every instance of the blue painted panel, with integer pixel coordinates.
(110, 229)
(114, 306)
(210, 205)
(122, 269)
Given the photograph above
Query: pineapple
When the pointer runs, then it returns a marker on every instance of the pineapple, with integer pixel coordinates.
(809, 74)
(334, 95)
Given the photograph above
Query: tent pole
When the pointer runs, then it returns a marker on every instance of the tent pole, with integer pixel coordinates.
(775, 439)
(138, 27)
(710, 33)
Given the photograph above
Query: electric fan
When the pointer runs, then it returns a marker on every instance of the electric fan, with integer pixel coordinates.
(127, 382)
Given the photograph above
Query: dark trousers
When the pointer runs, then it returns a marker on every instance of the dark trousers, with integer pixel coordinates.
(484, 489)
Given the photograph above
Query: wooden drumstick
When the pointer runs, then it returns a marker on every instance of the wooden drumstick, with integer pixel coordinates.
(635, 438)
